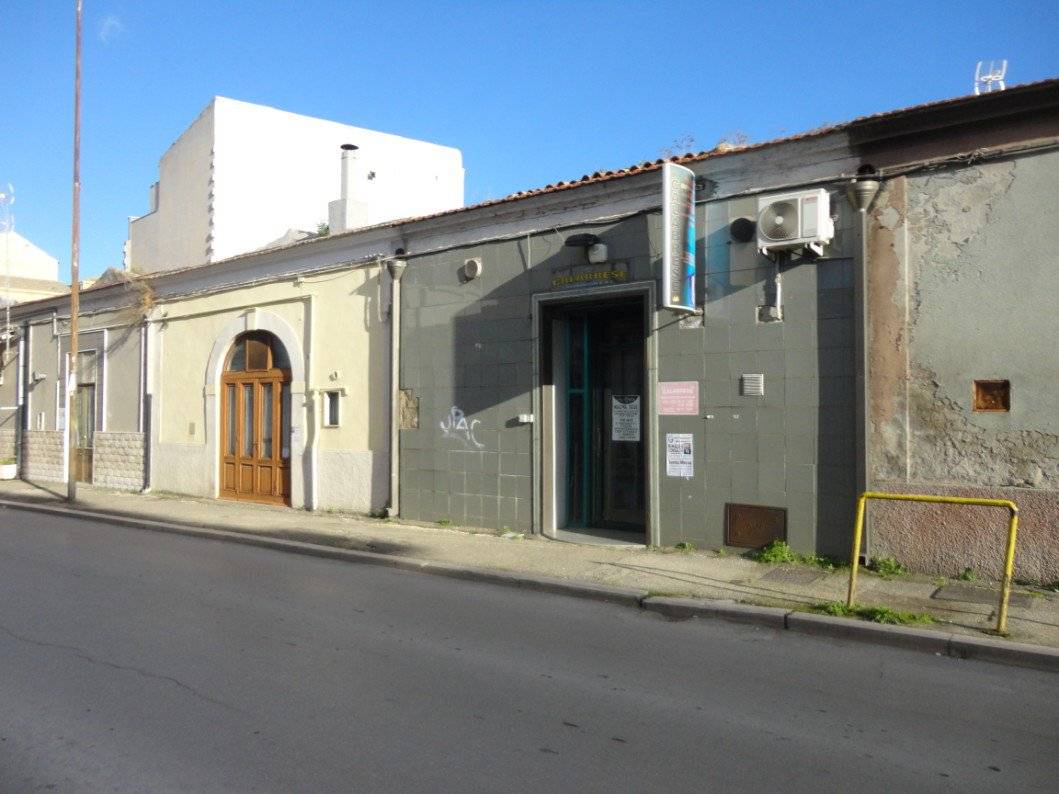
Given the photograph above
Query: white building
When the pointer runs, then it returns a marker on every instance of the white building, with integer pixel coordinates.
(26, 271)
(242, 176)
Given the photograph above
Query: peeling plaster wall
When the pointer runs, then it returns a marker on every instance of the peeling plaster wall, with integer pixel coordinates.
(964, 285)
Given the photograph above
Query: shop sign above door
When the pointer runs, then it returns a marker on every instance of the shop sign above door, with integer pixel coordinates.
(678, 243)
(590, 275)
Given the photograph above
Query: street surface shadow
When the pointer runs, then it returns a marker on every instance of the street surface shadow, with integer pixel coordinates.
(279, 533)
(339, 541)
(719, 584)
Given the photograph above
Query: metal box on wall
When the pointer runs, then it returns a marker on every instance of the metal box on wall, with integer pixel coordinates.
(754, 526)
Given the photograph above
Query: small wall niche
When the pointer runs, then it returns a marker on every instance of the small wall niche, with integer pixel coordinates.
(332, 409)
(992, 395)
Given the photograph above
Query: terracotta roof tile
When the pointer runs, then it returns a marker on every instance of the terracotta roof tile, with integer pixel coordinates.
(693, 157)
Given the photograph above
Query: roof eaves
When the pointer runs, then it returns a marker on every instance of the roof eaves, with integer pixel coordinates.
(644, 167)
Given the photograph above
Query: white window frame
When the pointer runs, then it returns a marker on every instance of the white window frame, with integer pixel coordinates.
(325, 415)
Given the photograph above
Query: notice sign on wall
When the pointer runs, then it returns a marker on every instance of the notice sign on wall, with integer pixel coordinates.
(678, 398)
(625, 417)
(680, 455)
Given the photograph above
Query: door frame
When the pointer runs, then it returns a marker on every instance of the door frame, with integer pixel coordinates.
(301, 416)
(545, 490)
(87, 429)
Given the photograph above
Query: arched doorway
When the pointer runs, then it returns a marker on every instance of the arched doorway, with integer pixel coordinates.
(256, 420)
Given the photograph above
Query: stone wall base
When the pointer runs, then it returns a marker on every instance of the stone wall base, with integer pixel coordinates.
(42, 456)
(117, 461)
(946, 539)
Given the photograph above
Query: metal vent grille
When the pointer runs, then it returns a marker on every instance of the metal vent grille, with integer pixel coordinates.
(753, 385)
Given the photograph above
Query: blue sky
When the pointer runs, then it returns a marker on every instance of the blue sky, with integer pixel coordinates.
(532, 92)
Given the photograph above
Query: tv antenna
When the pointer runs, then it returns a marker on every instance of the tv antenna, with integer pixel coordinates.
(989, 76)
(7, 228)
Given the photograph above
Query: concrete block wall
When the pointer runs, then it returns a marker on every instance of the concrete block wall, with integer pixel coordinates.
(42, 456)
(117, 460)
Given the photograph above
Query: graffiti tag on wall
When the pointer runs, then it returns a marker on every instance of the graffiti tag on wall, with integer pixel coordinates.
(456, 426)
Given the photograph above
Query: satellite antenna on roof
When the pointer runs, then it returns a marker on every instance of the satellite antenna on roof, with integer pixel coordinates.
(989, 76)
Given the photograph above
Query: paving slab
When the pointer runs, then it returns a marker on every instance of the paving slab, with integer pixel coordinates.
(970, 594)
(802, 575)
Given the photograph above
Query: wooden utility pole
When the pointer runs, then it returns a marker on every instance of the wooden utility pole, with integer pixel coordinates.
(75, 283)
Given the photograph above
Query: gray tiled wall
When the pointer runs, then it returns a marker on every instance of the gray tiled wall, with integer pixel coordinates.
(467, 347)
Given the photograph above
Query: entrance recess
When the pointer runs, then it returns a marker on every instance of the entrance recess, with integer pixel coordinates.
(597, 376)
(255, 420)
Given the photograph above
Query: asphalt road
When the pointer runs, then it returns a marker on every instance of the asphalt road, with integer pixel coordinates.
(137, 661)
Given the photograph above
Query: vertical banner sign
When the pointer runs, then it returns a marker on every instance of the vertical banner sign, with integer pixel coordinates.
(678, 244)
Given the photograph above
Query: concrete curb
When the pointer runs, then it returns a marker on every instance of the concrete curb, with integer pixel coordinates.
(959, 646)
(863, 631)
(686, 608)
(1016, 654)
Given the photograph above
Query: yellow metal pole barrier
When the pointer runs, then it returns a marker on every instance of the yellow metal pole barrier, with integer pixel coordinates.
(1009, 554)
(1009, 570)
(854, 563)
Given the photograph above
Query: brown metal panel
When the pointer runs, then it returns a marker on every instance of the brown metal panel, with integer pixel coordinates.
(754, 526)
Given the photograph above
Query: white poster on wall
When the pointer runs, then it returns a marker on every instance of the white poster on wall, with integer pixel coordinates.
(680, 455)
(625, 417)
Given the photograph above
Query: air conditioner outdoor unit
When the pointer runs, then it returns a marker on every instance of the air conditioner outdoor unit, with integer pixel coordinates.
(794, 220)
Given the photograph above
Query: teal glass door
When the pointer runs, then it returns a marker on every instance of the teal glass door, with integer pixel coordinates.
(604, 410)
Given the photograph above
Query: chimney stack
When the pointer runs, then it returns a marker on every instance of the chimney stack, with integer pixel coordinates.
(349, 162)
(350, 211)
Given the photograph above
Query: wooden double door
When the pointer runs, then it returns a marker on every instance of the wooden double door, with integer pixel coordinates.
(255, 436)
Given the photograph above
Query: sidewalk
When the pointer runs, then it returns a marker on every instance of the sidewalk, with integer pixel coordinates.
(958, 608)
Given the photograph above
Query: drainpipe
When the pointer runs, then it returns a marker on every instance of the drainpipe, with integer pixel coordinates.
(20, 389)
(144, 421)
(397, 268)
(861, 192)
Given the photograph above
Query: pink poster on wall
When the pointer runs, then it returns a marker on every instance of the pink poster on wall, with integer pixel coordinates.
(678, 398)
